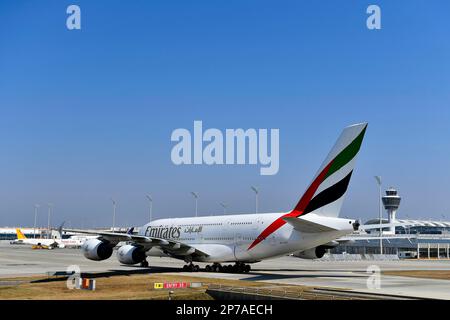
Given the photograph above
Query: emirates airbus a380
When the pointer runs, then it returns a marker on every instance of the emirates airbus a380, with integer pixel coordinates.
(310, 228)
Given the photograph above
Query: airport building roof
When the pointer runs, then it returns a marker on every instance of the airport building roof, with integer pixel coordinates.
(409, 222)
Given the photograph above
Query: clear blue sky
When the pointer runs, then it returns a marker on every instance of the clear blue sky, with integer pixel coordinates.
(86, 115)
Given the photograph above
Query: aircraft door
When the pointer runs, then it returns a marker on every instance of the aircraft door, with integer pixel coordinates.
(240, 248)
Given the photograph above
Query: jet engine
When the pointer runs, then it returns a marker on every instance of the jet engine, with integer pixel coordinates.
(97, 250)
(130, 254)
(313, 253)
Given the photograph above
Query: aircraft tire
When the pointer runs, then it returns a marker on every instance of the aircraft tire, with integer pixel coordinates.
(144, 264)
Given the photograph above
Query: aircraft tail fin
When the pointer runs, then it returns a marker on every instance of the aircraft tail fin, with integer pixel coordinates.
(326, 193)
(20, 234)
(60, 230)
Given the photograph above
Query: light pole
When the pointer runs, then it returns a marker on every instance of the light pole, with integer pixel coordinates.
(150, 199)
(50, 207)
(224, 206)
(195, 195)
(407, 226)
(378, 178)
(36, 206)
(256, 197)
(114, 214)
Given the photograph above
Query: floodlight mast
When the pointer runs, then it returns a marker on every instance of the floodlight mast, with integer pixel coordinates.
(378, 179)
(224, 206)
(150, 199)
(195, 195)
(114, 214)
(36, 206)
(256, 197)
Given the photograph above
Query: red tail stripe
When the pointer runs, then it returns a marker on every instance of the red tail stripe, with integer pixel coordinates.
(306, 198)
(298, 210)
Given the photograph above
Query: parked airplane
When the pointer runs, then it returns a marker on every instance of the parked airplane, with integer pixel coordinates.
(310, 227)
(56, 242)
(22, 239)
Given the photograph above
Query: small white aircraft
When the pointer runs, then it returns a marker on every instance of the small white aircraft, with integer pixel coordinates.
(310, 227)
(56, 242)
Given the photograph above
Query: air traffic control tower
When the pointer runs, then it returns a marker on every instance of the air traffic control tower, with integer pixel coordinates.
(391, 202)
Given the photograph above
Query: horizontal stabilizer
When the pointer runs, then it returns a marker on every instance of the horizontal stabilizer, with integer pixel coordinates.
(303, 225)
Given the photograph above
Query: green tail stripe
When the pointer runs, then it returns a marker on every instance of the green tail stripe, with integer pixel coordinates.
(347, 154)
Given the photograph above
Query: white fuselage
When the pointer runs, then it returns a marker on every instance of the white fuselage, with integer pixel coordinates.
(36, 241)
(72, 242)
(228, 237)
(57, 243)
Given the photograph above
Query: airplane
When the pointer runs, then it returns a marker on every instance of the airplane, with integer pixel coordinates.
(310, 227)
(22, 239)
(56, 242)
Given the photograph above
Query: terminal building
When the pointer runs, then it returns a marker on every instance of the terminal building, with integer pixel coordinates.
(423, 239)
(10, 233)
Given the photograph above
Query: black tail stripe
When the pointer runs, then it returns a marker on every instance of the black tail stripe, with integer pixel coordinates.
(329, 195)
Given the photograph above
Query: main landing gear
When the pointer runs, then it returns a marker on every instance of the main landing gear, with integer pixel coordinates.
(239, 267)
(191, 267)
(144, 264)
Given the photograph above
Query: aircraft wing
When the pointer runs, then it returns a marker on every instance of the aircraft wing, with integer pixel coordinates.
(170, 246)
(304, 225)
